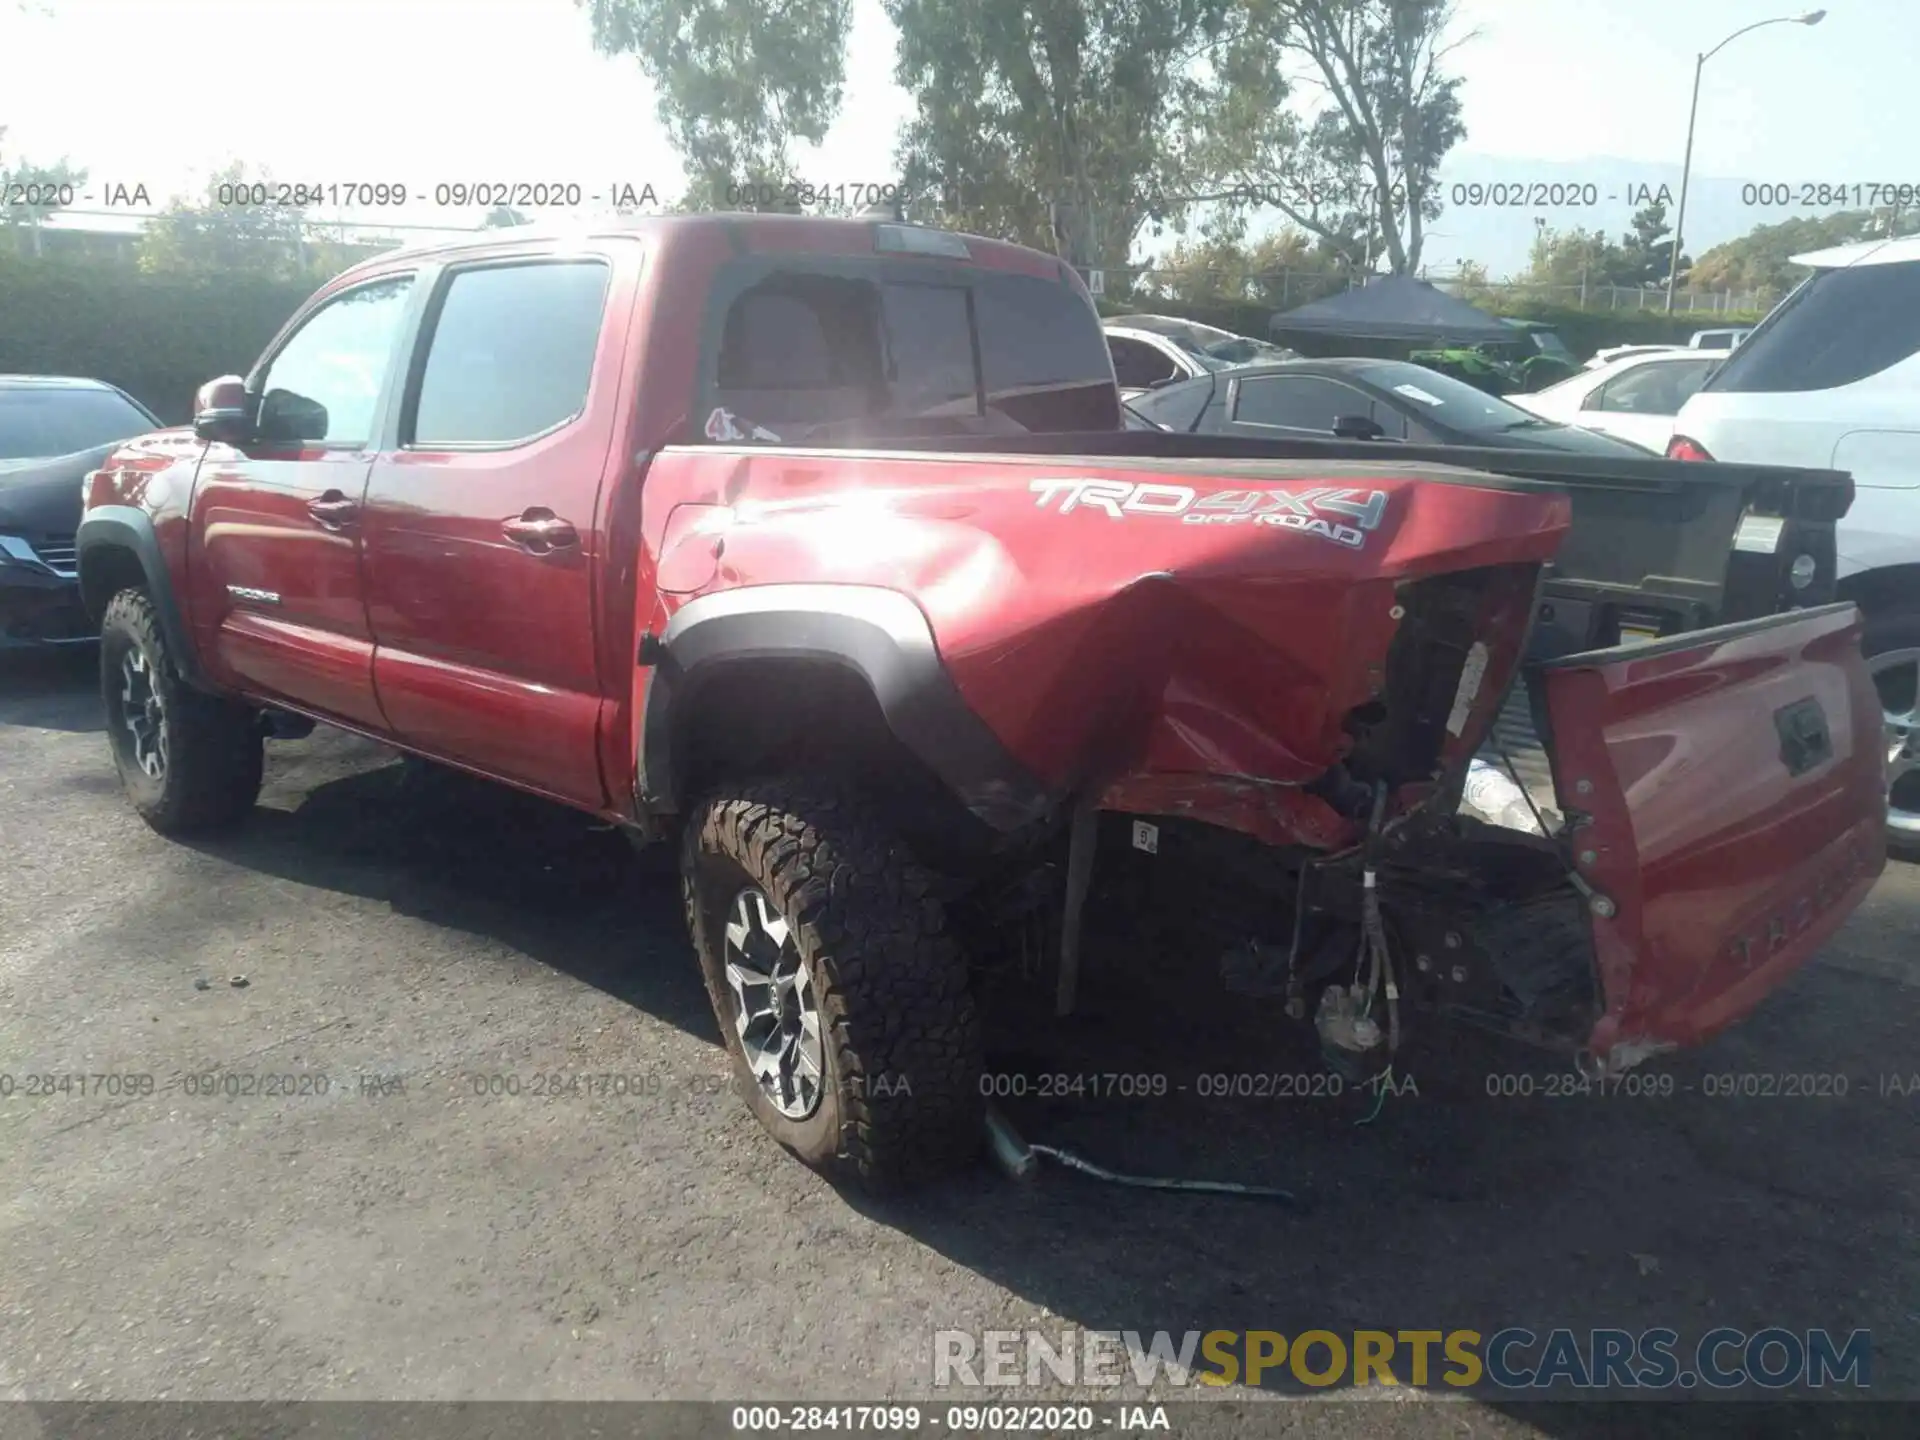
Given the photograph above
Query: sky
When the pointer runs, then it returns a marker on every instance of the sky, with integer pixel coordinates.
(162, 93)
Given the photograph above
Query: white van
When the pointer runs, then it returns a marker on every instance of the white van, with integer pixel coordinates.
(1831, 379)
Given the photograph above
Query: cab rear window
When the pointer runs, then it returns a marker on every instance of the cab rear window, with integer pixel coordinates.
(812, 353)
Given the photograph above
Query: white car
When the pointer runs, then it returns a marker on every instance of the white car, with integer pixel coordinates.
(1621, 352)
(1632, 399)
(1718, 341)
(1831, 379)
(1154, 350)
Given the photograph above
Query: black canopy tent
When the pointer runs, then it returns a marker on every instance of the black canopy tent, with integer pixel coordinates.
(1393, 313)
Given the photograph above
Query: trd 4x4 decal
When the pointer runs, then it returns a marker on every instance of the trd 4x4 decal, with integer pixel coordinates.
(1358, 512)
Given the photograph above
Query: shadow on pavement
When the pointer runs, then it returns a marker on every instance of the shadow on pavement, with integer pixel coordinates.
(51, 688)
(351, 816)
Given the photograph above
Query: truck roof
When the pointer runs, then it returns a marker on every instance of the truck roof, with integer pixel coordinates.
(751, 232)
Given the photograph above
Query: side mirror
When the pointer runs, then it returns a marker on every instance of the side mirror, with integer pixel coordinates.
(287, 417)
(1357, 427)
(222, 411)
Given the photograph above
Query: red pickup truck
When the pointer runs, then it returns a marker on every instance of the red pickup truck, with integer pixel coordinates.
(818, 546)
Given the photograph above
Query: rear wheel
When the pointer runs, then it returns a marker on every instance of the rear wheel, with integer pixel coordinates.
(190, 762)
(840, 995)
(1892, 646)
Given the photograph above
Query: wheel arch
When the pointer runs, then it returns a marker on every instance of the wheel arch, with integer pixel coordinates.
(843, 675)
(116, 548)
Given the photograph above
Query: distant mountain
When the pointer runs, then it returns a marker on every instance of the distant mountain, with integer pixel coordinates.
(1492, 201)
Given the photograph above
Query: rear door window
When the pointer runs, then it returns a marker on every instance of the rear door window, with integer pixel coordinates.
(967, 350)
(1303, 402)
(511, 353)
(1838, 327)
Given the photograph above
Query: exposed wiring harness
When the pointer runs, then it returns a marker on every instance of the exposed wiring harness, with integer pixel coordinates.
(1019, 1159)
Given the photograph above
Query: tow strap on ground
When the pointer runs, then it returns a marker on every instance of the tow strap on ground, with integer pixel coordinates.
(1019, 1159)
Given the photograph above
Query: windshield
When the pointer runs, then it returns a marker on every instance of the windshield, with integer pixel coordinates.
(1217, 349)
(1452, 403)
(1205, 357)
(1205, 335)
(38, 422)
(1214, 348)
(1572, 384)
(1243, 350)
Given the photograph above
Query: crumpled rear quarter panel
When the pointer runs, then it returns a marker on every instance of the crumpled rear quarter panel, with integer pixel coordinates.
(1121, 616)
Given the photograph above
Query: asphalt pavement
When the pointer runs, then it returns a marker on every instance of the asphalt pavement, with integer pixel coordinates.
(312, 1154)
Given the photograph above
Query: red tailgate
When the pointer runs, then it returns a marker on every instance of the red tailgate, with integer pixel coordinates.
(1735, 784)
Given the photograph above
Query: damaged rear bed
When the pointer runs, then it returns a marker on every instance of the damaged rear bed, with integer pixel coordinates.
(1689, 720)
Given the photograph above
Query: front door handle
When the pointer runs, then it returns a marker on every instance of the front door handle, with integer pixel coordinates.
(333, 509)
(540, 532)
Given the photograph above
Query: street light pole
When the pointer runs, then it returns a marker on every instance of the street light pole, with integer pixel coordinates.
(1686, 174)
(1812, 17)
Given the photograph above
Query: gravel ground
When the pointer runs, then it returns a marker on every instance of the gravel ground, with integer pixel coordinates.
(401, 932)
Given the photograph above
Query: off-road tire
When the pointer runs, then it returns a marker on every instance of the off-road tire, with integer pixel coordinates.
(214, 747)
(900, 1104)
(1884, 632)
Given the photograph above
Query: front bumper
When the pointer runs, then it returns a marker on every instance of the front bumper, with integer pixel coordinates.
(40, 591)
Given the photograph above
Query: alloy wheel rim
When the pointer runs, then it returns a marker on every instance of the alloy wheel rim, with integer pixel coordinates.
(1896, 676)
(776, 1014)
(143, 714)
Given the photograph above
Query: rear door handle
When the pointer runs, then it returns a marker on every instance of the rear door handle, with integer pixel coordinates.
(333, 509)
(540, 532)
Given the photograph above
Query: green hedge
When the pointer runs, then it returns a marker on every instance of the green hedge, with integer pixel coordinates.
(157, 337)
(1585, 331)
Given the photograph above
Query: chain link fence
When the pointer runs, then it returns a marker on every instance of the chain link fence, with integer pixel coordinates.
(1585, 296)
(1286, 288)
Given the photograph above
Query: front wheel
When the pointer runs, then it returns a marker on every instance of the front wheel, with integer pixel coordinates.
(841, 998)
(190, 762)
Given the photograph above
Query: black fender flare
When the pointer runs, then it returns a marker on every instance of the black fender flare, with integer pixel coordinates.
(882, 637)
(123, 527)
